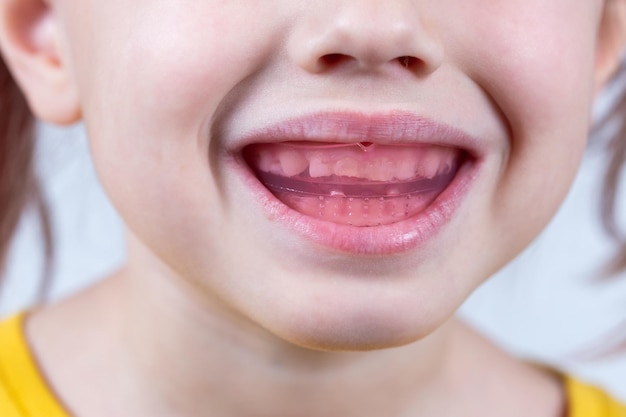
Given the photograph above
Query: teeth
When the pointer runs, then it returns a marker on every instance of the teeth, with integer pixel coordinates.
(347, 167)
(382, 165)
(264, 162)
(368, 170)
(445, 168)
(430, 162)
(292, 162)
(379, 171)
(345, 184)
(405, 169)
(267, 163)
(318, 167)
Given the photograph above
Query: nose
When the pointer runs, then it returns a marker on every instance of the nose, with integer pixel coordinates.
(365, 34)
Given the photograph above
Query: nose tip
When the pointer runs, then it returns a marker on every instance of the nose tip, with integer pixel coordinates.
(367, 41)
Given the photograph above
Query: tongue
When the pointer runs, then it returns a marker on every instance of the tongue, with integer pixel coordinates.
(357, 184)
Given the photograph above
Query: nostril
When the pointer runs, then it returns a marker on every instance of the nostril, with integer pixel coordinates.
(408, 61)
(333, 59)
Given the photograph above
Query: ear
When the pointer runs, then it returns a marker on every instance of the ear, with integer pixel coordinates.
(30, 41)
(611, 41)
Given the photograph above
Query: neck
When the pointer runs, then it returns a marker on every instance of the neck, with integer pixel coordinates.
(204, 359)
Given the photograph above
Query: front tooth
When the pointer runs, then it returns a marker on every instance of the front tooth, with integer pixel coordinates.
(319, 168)
(347, 167)
(390, 169)
(369, 170)
(405, 169)
(292, 162)
(382, 170)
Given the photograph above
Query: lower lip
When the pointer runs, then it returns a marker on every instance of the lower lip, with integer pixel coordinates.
(388, 239)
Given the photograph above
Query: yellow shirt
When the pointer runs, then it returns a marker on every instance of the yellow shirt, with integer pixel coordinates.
(24, 392)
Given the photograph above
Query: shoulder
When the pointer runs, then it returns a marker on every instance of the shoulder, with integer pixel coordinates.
(9, 399)
(9, 407)
(588, 401)
(23, 392)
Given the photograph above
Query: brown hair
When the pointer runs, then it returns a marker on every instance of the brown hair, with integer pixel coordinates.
(19, 187)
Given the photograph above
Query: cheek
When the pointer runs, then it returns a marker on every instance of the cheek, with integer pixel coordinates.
(536, 63)
(149, 91)
(173, 64)
(540, 65)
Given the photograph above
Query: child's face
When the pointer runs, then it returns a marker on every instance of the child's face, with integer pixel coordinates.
(173, 90)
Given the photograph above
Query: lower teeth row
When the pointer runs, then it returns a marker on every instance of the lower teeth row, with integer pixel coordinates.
(358, 211)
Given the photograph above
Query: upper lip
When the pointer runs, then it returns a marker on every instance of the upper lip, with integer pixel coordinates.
(381, 128)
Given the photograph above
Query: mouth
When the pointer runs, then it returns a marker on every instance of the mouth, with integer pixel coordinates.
(361, 184)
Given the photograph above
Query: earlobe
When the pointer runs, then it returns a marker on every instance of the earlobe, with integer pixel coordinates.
(611, 41)
(30, 43)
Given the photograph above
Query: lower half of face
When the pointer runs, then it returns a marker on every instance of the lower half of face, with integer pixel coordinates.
(343, 174)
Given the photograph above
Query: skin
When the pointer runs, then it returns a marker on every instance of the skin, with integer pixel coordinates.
(189, 325)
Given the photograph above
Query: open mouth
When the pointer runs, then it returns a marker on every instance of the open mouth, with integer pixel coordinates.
(363, 184)
(359, 184)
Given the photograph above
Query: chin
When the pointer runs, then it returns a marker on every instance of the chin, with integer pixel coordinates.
(357, 337)
(357, 328)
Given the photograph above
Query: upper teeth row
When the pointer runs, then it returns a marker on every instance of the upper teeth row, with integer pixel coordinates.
(425, 164)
